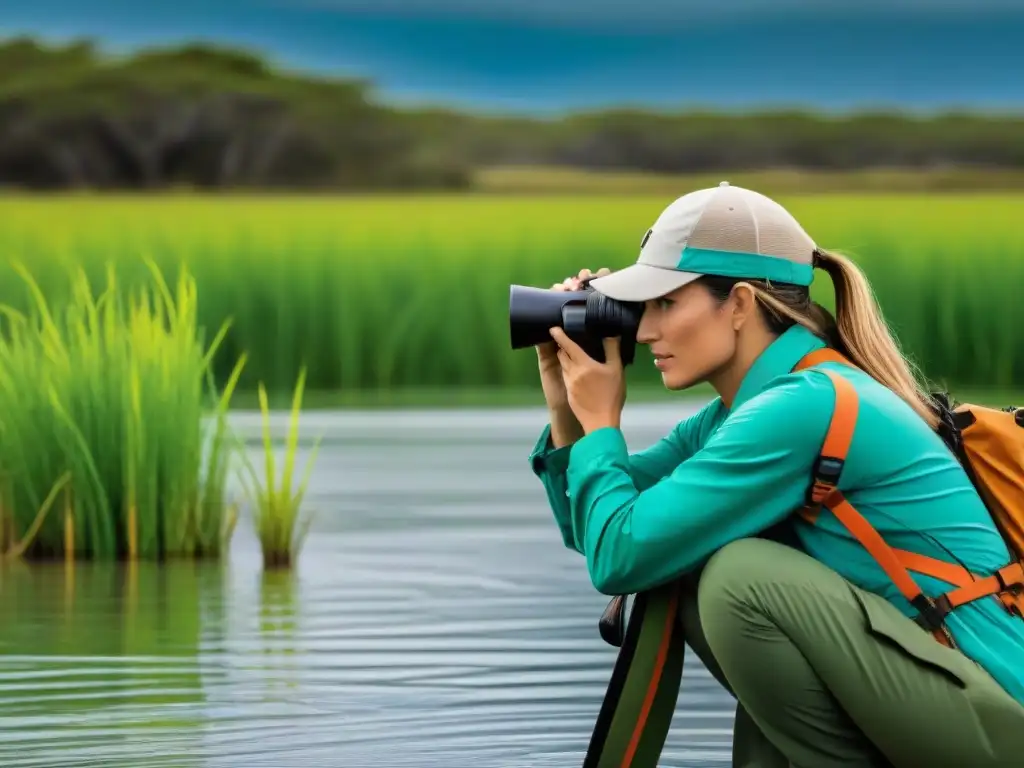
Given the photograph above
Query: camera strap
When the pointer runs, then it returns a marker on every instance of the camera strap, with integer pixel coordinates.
(640, 701)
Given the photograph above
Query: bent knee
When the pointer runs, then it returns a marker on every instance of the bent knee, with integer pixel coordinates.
(738, 573)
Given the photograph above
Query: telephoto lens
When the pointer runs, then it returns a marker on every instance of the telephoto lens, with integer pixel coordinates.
(586, 316)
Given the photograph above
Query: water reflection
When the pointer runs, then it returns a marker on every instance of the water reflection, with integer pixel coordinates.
(434, 620)
(102, 658)
(279, 626)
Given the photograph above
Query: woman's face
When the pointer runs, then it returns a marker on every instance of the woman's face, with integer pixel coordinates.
(690, 333)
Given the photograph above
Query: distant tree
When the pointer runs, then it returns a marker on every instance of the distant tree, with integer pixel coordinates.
(195, 116)
(220, 118)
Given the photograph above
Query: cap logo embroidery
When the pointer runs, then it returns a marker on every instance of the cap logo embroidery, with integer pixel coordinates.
(646, 238)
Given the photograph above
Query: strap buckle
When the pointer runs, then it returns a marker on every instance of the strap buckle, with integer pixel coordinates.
(827, 470)
(1011, 578)
(1011, 594)
(931, 612)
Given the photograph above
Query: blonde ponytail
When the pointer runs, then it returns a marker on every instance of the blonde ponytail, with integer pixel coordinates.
(857, 330)
(866, 339)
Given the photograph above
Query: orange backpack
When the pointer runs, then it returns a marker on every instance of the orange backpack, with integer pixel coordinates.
(989, 443)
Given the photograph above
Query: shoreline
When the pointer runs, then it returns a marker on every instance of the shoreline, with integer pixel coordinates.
(496, 416)
(451, 399)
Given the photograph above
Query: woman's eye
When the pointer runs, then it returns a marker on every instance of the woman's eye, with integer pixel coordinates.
(664, 303)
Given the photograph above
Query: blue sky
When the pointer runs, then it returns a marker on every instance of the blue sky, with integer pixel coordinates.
(546, 56)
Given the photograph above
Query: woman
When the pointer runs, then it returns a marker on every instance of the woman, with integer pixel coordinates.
(813, 640)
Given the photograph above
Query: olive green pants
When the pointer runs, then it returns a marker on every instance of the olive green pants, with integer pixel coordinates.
(826, 674)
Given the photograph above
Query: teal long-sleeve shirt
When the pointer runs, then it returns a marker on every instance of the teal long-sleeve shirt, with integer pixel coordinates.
(645, 518)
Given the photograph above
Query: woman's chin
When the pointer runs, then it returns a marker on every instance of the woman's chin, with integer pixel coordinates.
(674, 382)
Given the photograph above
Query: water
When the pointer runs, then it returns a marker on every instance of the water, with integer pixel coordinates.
(434, 619)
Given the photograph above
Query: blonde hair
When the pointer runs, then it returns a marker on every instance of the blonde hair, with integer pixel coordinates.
(858, 330)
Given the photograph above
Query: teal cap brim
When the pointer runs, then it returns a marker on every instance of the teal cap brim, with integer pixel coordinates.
(753, 266)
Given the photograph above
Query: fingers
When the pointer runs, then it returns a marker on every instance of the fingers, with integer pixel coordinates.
(576, 354)
(564, 360)
(567, 345)
(612, 350)
(574, 283)
(569, 284)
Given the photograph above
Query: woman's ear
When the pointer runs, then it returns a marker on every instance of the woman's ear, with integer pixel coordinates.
(744, 304)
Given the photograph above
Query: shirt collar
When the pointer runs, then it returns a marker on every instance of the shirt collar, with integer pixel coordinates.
(777, 359)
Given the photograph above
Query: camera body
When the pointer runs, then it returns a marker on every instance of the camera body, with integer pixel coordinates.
(586, 316)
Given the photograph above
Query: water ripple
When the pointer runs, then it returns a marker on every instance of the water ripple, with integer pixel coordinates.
(440, 623)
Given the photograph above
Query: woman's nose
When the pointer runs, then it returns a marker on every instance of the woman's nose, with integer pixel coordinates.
(646, 332)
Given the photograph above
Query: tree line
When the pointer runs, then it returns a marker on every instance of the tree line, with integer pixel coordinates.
(200, 116)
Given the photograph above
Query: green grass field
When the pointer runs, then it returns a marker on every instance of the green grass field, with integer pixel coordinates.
(410, 294)
(545, 180)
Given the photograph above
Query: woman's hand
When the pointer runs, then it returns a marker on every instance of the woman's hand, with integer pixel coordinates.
(551, 379)
(565, 427)
(596, 391)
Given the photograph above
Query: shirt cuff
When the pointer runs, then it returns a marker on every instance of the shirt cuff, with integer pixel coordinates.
(546, 459)
(599, 451)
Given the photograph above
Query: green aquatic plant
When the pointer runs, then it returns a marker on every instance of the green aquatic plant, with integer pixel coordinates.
(102, 404)
(278, 511)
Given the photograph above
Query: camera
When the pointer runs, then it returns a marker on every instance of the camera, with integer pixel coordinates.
(586, 316)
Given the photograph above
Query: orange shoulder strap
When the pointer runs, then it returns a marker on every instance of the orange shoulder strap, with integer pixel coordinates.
(829, 464)
(824, 491)
(823, 355)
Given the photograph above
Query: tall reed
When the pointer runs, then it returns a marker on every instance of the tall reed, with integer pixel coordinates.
(106, 451)
(277, 503)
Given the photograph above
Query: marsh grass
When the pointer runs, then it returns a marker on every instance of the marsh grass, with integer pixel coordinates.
(107, 445)
(411, 292)
(278, 511)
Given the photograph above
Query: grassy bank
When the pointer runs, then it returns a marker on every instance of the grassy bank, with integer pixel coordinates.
(411, 293)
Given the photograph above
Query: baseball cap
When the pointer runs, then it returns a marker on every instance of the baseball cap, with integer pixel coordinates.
(725, 230)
